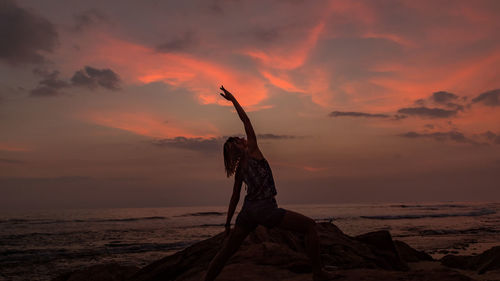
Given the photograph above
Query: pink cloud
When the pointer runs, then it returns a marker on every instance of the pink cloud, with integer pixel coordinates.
(287, 57)
(141, 65)
(146, 124)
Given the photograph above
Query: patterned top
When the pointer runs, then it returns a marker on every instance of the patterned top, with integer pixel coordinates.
(259, 180)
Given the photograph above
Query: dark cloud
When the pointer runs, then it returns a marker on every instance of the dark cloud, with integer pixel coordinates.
(88, 18)
(266, 34)
(494, 138)
(24, 34)
(489, 135)
(449, 100)
(428, 112)
(420, 102)
(366, 115)
(490, 98)
(455, 106)
(441, 136)
(196, 144)
(50, 85)
(357, 114)
(181, 43)
(448, 105)
(275, 137)
(92, 78)
(211, 144)
(10, 161)
(443, 97)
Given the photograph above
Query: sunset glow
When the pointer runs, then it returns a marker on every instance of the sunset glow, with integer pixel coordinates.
(342, 93)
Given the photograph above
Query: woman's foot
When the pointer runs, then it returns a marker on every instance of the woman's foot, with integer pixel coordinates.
(325, 276)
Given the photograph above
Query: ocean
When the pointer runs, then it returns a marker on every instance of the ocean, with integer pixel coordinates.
(39, 245)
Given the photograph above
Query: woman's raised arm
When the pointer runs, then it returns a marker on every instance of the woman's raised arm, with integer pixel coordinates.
(251, 137)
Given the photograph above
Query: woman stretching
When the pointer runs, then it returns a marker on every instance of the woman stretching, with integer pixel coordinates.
(244, 160)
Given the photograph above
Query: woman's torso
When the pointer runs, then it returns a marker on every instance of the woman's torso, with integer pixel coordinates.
(259, 179)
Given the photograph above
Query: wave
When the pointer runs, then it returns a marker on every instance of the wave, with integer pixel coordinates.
(429, 207)
(478, 230)
(42, 221)
(200, 214)
(477, 213)
(201, 225)
(127, 248)
(51, 254)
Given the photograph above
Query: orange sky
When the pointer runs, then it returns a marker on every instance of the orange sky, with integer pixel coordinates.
(358, 101)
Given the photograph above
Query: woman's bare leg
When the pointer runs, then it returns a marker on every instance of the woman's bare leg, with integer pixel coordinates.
(230, 246)
(297, 222)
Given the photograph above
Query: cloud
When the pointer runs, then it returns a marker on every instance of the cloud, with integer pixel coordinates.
(489, 135)
(24, 34)
(443, 97)
(490, 98)
(366, 115)
(50, 85)
(92, 78)
(428, 112)
(357, 114)
(275, 137)
(448, 100)
(146, 124)
(88, 18)
(441, 136)
(196, 144)
(213, 144)
(197, 74)
(447, 106)
(181, 43)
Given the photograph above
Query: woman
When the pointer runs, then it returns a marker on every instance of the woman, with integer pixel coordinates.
(244, 160)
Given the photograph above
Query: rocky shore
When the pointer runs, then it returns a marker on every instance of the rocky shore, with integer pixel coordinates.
(279, 255)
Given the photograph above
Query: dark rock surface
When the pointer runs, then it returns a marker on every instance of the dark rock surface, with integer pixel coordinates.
(488, 260)
(280, 255)
(408, 254)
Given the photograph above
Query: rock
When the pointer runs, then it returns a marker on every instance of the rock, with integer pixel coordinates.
(408, 254)
(488, 260)
(381, 244)
(269, 255)
(277, 254)
(101, 272)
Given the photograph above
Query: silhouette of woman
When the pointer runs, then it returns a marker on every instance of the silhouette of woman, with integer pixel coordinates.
(244, 160)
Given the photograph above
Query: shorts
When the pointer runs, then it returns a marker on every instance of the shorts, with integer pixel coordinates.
(260, 212)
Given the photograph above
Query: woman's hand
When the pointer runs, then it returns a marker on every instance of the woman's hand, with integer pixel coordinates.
(227, 95)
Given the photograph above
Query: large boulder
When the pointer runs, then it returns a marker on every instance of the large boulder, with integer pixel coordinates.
(488, 260)
(408, 254)
(273, 251)
(270, 255)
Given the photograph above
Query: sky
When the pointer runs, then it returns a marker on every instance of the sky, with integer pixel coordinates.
(116, 103)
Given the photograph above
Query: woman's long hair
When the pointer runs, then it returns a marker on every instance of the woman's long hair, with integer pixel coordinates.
(232, 156)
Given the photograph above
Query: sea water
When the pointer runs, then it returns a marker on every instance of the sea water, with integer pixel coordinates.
(39, 245)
